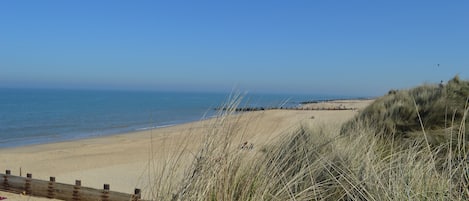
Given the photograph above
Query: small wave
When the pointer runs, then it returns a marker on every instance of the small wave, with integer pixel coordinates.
(164, 126)
(29, 140)
(154, 127)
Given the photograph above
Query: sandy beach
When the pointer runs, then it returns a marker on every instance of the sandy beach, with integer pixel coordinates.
(129, 161)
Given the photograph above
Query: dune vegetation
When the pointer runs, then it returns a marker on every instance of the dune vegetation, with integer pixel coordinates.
(407, 145)
(436, 110)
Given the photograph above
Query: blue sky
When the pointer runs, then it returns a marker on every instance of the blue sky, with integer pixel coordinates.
(323, 47)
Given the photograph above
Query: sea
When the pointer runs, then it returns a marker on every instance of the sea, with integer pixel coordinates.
(38, 116)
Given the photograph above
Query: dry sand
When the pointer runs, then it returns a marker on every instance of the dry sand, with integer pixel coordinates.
(129, 161)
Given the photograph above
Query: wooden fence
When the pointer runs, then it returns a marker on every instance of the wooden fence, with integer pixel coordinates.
(51, 189)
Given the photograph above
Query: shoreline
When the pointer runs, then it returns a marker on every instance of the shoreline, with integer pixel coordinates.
(132, 160)
(81, 135)
(40, 140)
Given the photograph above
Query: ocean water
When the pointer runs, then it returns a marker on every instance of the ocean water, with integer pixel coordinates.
(35, 116)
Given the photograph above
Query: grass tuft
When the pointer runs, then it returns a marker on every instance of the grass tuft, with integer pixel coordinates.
(441, 109)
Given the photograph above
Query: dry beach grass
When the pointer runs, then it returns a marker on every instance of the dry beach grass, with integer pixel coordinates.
(388, 152)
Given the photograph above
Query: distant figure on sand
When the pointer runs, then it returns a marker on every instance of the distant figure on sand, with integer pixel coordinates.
(246, 145)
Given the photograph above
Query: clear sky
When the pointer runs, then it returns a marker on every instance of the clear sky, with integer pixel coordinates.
(327, 47)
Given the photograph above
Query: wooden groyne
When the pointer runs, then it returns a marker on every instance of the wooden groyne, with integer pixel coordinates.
(305, 105)
(249, 109)
(52, 189)
(335, 99)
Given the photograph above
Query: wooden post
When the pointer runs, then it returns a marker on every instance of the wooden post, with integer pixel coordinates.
(6, 185)
(76, 190)
(137, 195)
(50, 188)
(27, 184)
(105, 195)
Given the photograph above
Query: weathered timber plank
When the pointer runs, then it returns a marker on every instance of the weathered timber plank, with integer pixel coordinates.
(52, 189)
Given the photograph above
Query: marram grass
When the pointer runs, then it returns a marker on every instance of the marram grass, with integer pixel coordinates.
(373, 157)
(438, 110)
